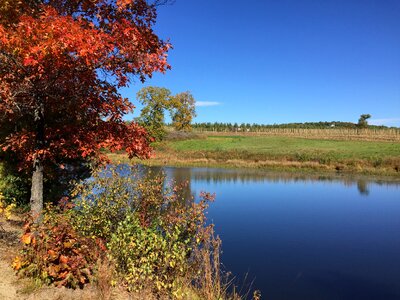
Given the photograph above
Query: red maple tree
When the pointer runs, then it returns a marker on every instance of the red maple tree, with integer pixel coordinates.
(61, 65)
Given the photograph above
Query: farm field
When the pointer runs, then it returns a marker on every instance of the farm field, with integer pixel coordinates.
(280, 152)
(347, 134)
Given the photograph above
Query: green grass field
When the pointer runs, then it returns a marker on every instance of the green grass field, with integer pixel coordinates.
(296, 148)
(373, 157)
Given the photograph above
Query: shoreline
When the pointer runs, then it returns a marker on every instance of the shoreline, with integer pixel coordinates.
(352, 168)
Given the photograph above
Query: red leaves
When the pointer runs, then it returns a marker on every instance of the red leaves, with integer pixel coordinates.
(56, 39)
(57, 253)
(74, 66)
(29, 61)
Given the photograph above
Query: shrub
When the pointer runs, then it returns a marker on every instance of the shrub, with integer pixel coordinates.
(151, 229)
(54, 252)
(14, 185)
(148, 257)
(104, 202)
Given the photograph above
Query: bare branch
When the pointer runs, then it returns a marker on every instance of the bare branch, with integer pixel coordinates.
(8, 56)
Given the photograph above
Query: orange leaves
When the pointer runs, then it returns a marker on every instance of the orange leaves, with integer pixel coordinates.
(54, 270)
(26, 238)
(52, 254)
(123, 3)
(52, 36)
(63, 259)
(73, 64)
(17, 263)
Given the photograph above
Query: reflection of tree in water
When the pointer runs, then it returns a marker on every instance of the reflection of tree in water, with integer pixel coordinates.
(180, 177)
(184, 176)
(227, 176)
(362, 187)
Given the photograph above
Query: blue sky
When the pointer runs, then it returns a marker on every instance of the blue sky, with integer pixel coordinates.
(284, 60)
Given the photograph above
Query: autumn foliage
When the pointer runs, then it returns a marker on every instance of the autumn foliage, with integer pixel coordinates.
(62, 64)
(68, 66)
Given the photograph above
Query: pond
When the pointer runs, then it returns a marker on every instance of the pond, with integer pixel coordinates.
(304, 237)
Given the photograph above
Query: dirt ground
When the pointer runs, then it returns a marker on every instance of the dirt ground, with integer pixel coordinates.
(9, 235)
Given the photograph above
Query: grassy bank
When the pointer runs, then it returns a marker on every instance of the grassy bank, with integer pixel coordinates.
(279, 152)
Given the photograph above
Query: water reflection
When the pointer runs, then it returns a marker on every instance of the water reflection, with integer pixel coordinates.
(181, 177)
(235, 176)
(221, 176)
(362, 187)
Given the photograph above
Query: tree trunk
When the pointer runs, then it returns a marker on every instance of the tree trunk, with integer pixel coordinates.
(36, 200)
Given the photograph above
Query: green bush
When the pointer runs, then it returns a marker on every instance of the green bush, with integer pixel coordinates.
(149, 257)
(14, 185)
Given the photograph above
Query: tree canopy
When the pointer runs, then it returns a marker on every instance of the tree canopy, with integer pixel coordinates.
(61, 65)
(183, 111)
(155, 101)
(362, 121)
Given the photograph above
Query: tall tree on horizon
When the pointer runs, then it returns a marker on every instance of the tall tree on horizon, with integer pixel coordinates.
(183, 110)
(155, 101)
(362, 121)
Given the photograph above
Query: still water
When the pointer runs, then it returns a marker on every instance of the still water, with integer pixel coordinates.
(299, 237)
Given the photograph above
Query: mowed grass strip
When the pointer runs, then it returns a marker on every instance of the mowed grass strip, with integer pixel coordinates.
(291, 148)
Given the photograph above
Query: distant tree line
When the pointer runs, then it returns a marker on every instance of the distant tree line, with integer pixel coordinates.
(247, 127)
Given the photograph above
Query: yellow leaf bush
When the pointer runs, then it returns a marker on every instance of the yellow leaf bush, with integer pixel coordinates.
(6, 210)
